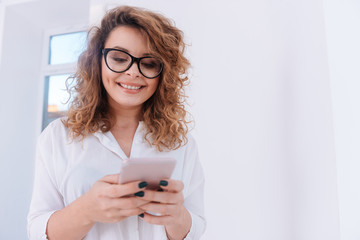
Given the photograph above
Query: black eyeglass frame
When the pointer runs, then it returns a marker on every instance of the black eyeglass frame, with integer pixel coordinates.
(105, 51)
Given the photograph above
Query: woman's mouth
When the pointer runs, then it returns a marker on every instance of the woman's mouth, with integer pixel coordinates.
(130, 87)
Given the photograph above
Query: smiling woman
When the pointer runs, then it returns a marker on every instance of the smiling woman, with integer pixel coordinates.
(132, 88)
(128, 104)
(164, 112)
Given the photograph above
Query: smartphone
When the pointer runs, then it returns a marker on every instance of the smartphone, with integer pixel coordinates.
(151, 170)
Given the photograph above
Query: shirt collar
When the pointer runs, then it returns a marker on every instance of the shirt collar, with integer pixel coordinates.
(108, 140)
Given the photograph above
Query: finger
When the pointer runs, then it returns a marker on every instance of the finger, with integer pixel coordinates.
(122, 190)
(163, 209)
(171, 185)
(163, 197)
(130, 212)
(157, 220)
(113, 179)
(118, 215)
(127, 203)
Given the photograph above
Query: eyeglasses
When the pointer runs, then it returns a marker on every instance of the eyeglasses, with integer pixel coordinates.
(120, 61)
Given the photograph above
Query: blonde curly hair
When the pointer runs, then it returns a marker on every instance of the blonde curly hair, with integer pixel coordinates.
(164, 114)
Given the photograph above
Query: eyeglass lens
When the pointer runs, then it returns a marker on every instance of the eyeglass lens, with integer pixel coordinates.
(119, 61)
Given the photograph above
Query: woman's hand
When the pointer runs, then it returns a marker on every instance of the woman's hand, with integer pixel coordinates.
(108, 201)
(168, 203)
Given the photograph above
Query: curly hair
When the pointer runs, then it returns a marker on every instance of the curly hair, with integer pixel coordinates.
(164, 113)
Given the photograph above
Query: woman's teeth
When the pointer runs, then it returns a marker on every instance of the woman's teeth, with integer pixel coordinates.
(130, 87)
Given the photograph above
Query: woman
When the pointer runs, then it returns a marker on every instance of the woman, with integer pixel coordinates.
(128, 104)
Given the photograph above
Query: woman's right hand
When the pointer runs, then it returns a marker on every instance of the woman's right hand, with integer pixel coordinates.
(108, 201)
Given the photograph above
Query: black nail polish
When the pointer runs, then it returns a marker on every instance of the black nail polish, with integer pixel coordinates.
(140, 194)
(163, 183)
(141, 215)
(143, 184)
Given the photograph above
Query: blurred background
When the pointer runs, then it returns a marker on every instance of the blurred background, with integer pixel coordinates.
(274, 93)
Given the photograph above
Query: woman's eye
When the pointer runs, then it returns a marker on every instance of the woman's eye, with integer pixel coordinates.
(149, 65)
(120, 60)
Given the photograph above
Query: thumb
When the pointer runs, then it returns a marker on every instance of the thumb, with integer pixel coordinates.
(113, 179)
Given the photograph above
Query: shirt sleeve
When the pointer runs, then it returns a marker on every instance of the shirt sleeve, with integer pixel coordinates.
(194, 195)
(46, 198)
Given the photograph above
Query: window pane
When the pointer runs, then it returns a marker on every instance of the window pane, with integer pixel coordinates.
(66, 48)
(56, 98)
(58, 94)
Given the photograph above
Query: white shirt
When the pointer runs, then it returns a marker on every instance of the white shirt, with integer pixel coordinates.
(66, 169)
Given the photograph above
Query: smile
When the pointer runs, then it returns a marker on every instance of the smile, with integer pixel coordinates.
(129, 87)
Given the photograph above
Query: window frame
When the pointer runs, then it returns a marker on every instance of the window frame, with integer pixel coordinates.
(48, 70)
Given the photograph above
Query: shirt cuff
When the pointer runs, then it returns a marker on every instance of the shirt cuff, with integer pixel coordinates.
(37, 227)
(196, 229)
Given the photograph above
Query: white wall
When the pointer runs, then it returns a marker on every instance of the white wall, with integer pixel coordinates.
(19, 106)
(19, 74)
(2, 19)
(343, 38)
(261, 98)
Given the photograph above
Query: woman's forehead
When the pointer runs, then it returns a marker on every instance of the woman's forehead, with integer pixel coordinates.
(129, 39)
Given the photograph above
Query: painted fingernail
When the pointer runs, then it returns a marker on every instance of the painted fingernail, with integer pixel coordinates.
(141, 215)
(140, 194)
(142, 184)
(163, 183)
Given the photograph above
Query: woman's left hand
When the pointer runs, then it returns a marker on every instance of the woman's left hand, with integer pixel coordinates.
(170, 204)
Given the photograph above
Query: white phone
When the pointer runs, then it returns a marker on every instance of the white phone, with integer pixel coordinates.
(151, 170)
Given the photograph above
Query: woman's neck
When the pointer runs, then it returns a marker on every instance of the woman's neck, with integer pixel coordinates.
(125, 118)
(126, 121)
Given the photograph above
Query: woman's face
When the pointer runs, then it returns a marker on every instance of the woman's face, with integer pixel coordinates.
(130, 89)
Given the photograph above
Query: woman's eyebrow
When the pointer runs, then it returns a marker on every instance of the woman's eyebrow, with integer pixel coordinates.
(121, 48)
(125, 50)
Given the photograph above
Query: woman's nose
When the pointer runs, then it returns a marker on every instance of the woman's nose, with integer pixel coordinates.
(133, 71)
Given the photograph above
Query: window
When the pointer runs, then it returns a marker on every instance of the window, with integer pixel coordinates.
(61, 55)
(66, 48)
